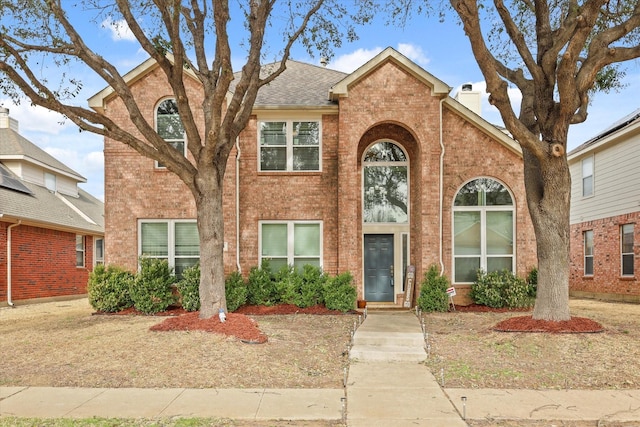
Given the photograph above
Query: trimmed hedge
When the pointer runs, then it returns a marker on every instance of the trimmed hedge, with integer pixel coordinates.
(433, 291)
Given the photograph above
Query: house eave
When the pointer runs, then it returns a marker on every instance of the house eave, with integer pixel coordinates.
(607, 139)
(11, 219)
(27, 159)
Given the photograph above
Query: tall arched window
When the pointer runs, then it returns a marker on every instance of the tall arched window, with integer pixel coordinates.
(169, 126)
(483, 229)
(386, 189)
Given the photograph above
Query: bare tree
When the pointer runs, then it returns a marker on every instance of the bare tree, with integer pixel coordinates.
(556, 53)
(33, 31)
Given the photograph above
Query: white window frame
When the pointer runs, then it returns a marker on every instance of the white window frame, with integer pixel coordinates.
(627, 254)
(289, 143)
(483, 229)
(587, 176)
(171, 239)
(50, 182)
(290, 239)
(590, 256)
(96, 259)
(80, 249)
(156, 164)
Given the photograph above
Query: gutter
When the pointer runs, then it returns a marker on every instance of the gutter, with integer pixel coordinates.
(441, 173)
(238, 154)
(9, 302)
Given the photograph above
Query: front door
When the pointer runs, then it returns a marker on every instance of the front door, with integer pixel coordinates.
(378, 267)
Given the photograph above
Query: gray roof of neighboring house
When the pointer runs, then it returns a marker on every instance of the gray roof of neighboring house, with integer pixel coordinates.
(12, 144)
(300, 85)
(615, 127)
(84, 213)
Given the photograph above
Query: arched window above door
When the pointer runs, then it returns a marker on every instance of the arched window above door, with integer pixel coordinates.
(385, 184)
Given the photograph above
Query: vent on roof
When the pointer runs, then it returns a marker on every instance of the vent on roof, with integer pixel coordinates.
(7, 180)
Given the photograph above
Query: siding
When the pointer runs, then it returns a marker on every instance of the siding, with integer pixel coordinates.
(616, 182)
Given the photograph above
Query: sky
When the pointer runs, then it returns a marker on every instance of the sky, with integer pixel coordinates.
(441, 48)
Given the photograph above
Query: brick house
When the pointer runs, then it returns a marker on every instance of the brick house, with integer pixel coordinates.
(367, 172)
(51, 231)
(605, 212)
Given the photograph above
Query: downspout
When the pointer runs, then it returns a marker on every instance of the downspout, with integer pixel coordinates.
(441, 189)
(238, 153)
(9, 302)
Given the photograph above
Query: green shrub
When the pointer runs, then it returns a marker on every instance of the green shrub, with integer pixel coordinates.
(433, 291)
(287, 285)
(311, 287)
(189, 288)
(339, 293)
(261, 286)
(532, 281)
(236, 291)
(108, 288)
(152, 290)
(500, 289)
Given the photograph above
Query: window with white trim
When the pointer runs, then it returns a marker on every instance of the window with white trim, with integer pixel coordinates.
(174, 240)
(588, 252)
(289, 145)
(626, 248)
(98, 253)
(79, 250)
(169, 126)
(291, 243)
(50, 182)
(587, 177)
(483, 229)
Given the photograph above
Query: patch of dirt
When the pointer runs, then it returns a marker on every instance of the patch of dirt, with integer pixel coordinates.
(465, 350)
(64, 344)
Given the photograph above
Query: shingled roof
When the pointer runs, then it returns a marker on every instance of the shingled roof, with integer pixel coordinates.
(299, 86)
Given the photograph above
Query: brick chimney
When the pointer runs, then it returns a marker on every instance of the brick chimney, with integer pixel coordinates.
(5, 121)
(469, 98)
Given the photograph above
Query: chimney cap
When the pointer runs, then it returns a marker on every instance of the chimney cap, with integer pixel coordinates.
(324, 61)
(467, 87)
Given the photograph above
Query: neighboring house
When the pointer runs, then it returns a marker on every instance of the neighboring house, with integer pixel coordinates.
(51, 231)
(605, 213)
(367, 172)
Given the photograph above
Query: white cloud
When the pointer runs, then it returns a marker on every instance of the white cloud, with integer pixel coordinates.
(414, 53)
(32, 118)
(349, 62)
(119, 29)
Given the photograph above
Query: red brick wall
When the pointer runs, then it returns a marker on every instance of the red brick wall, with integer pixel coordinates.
(43, 263)
(607, 281)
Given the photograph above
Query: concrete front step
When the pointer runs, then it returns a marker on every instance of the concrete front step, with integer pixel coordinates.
(387, 353)
(400, 339)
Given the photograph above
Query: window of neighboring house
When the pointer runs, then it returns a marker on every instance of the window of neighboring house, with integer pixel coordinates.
(50, 181)
(587, 177)
(174, 240)
(289, 145)
(385, 184)
(294, 243)
(98, 254)
(626, 243)
(588, 253)
(483, 229)
(169, 126)
(79, 250)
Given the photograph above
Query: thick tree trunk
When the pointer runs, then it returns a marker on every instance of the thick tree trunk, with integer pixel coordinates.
(548, 186)
(211, 230)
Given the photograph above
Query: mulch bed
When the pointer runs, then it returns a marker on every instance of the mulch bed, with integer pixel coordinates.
(577, 325)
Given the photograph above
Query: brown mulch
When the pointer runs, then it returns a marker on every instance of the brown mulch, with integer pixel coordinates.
(577, 325)
(237, 324)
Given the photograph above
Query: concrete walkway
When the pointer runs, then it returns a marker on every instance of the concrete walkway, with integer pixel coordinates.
(387, 385)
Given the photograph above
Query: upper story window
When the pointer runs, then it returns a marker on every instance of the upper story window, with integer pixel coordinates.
(50, 181)
(587, 177)
(385, 184)
(289, 145)
(169, 126)
(483, 229)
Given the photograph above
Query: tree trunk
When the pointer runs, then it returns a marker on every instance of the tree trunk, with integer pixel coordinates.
(548, 187)
(211, 232)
